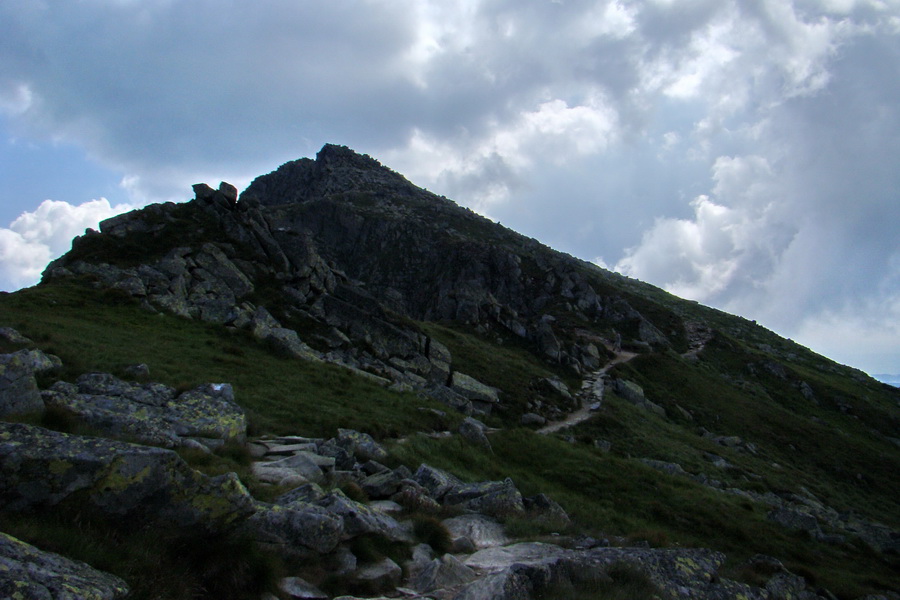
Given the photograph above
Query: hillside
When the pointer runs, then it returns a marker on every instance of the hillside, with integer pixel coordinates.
(597, 425)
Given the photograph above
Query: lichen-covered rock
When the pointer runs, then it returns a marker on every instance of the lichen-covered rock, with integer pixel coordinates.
(436, 481)
(493, 498)
(40, 468)
(152, 413)
(27, 573)
(295, 528)
(19, 393)
(361, 445)
(440, 573)
(483, 531)
(361, 519)
(473, 431)
(469, 387)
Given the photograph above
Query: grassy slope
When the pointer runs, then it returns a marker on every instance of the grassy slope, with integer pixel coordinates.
(609, 493)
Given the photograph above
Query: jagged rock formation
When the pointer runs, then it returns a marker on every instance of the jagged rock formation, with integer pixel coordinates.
(340, 260)
(329, 259)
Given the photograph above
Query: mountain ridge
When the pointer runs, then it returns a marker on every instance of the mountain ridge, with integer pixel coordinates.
(462, 338)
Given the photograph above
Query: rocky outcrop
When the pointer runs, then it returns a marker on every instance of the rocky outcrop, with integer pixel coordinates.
(151, 413)
(27, 573)
(350, 245)
(41, 469)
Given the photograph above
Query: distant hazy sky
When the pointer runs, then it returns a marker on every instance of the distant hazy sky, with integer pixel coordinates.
(743, 153)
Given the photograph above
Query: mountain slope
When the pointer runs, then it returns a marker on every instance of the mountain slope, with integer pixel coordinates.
(334, 293)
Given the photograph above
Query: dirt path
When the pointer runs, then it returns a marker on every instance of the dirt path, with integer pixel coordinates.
(591, 394)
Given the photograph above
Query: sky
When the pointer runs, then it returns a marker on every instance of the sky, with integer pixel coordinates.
(741, 153)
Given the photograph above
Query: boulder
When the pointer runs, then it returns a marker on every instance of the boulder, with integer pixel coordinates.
(435, 481)
(19, 393)
(472, 430)
(41, 469)
(362, 445)
(498, 499)
(27, 573)
(294, 528)
(483, 531)
(151, 412)
(360, 519)
(440, 573)
(296, 588)
(472, 389)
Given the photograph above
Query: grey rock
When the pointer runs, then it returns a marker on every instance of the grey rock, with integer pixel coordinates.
(532, 419)
(19, 393)
(381, 485)
(436, 481)
(296, 588)
(11, 336)
(150, 412)
(41, 468)
(308, 492)
(414, 497)
(794, 519)
(361, 445)
(472, 389)
(360, 519)
(27, 573)
(509, 584)
(472, 431)
(295, 527)
(493, 498)
(483, 531)
(440, 573)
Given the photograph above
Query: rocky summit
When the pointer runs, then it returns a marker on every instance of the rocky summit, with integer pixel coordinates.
(336, 384)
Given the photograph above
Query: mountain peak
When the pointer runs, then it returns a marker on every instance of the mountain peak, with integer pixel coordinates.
(335, 170)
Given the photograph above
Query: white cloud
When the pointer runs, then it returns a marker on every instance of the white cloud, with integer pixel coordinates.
(37, 237)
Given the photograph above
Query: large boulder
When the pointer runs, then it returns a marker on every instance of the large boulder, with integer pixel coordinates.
(152, 413)
(493, 498)
(27, 573)
(40, 468)
(19, 393)
(360, 519)
(295, 528)
(362, 445)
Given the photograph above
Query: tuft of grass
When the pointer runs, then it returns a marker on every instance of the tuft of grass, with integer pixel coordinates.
(428, 529)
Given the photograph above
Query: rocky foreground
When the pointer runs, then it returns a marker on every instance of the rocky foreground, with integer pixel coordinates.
(143, 482)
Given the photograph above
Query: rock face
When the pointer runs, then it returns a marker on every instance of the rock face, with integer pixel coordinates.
(356, 250)
(27, 573)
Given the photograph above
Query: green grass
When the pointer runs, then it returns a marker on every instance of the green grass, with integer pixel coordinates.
(510, 367)
(612, 495)
(98, 331)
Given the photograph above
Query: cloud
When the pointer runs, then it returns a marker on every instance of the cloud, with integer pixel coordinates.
(36, 238)
(739, 152)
